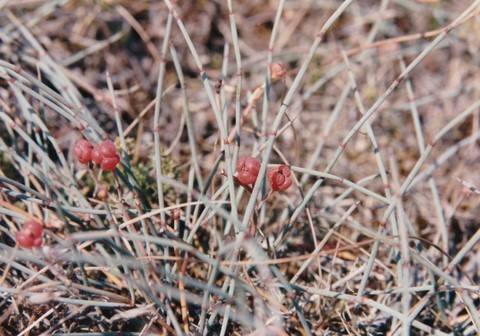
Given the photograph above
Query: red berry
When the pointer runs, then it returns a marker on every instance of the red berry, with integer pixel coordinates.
(33, 227)
(277, 71)
(279, 178)
(83, 151)
(23, 240)
(247, 169)
(106, 155)
(31, 234)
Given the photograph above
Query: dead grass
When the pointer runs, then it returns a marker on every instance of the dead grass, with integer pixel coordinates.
(387, 244)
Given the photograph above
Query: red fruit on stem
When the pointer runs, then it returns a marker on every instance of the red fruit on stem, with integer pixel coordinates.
(32, 227)
(277, 71)
(247, 169)
(106, 155)
(23, 240)
(38, 242)
(279, 178)
(83, 151)
(31, 234)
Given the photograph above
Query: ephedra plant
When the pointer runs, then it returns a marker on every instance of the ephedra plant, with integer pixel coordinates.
(239, 167)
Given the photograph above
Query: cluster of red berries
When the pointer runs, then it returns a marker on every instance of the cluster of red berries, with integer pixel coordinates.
(31, 234)
(278, 177)
(104, 154)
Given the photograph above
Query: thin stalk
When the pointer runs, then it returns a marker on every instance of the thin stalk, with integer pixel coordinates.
(156, 115)
(188, 120)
